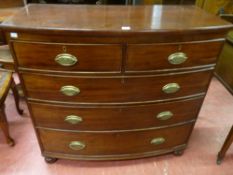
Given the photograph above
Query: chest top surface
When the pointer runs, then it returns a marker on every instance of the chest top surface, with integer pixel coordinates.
(87, 18)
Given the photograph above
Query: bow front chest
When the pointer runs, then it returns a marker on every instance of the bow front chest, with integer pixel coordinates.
(114, 82)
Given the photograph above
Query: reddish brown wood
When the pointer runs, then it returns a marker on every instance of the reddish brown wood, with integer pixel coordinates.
(91, 58)
(100, 118)
(144, 57)
(113, 144)
(114, 89)
(116, 38)
(125, 100)
(109, 20)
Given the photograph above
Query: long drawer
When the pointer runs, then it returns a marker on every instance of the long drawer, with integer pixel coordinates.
(69, 57)
(145, 57)
(114, 118)
(114, 89)
(108, 143)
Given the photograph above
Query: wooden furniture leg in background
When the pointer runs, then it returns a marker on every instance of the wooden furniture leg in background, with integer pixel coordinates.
(7, 82)
(225, 146)
(4, 126)
(16, 96)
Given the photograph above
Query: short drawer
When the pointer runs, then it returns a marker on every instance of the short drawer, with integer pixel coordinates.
(114, 89)
(114, 118)
(113, 143)
(147, 57)
(69, 57)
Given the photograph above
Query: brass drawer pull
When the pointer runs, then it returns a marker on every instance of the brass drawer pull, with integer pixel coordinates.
(66, 59)
(70, 90)
(158, 141)
(171, 88)
(165, 115)
(73, 119)
(77, 145)
(177, 58)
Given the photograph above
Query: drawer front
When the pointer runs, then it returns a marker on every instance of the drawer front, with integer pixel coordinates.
(145, 57)
(114, 118)
(110, 143)
(69, 57)
(114, 90)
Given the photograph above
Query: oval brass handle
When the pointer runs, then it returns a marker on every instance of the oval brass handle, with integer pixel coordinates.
(171, 88)
(70, 90)
(73, 119)
(77, 145)
(157, 141)
(66, 59)
(165, 115)
(177, 58)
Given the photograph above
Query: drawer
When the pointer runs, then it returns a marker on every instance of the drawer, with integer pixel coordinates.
(116, 89)
(69, 57)
(114, 118)
(146, 57)
(113, 143)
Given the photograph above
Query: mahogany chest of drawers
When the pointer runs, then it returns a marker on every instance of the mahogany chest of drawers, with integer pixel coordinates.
(114, 82)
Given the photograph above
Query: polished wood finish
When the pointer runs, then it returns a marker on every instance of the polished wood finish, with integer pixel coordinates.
(121, 144)
(141, 57)
(98, 118)
(103, 57)
(115, 90)
(6, 13)
(109, 20)
(122, 81)
(225, 146)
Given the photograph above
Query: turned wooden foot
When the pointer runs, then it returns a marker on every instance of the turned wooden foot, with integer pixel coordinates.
(50, 159)
(16, 97)
(179, 152)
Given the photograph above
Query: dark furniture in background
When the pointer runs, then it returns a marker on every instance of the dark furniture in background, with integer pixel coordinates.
(185, 2)
(224, 73)
(114, 1)
(224, 67)
(79, 1)
(10, 3)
